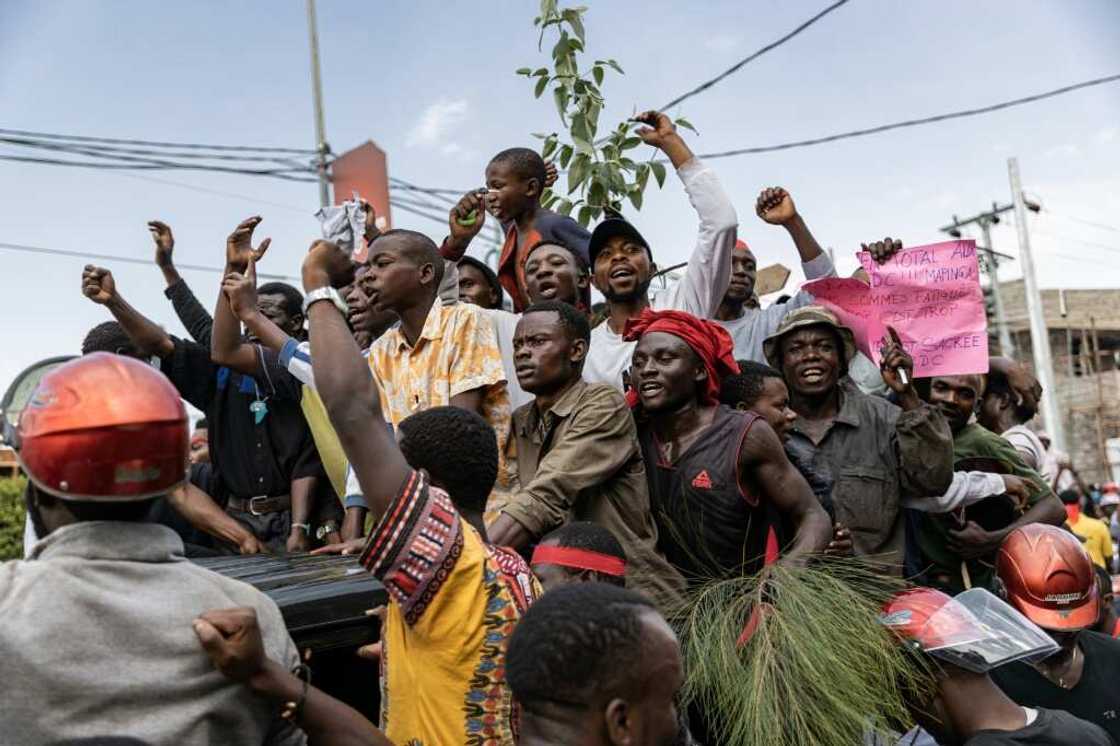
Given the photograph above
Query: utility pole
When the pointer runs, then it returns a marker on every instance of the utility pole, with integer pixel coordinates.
(321, 146)
(1040, 335)
(985, 220)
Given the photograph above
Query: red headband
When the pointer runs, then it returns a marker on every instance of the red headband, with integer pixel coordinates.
(580, 559)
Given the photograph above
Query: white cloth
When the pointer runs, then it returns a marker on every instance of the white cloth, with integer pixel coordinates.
(967, 488)
(751, 329)
(343, 224)
(1031, 449)
(699, 290)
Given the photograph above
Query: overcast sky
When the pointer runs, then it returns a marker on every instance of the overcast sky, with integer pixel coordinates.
(433, 84)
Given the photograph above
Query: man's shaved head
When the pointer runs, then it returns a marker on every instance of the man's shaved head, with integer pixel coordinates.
(417, 248)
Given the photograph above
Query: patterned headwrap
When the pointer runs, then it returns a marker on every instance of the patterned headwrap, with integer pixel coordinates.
(710, 341)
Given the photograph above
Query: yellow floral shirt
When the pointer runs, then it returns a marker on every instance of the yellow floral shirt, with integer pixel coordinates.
(453, 604)
(457, 351)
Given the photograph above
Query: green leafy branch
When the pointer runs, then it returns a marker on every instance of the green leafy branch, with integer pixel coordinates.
(601, 174)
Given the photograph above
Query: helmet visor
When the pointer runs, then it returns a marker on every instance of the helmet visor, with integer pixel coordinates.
(978, 632)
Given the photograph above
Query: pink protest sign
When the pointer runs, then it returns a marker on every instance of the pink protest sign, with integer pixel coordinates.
(930, 295)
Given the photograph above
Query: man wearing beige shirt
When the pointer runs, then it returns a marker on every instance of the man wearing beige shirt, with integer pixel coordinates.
(577, 452)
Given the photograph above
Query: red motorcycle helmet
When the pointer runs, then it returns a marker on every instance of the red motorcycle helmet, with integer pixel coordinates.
(104, 428)
(1049, 577)
(974, 630)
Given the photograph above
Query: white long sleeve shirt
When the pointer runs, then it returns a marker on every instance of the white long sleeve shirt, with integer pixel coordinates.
(751, 329)
(698, 292)
(967, 488)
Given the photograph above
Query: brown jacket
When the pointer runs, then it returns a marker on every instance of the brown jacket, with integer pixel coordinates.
(581, 462)
(876, 453)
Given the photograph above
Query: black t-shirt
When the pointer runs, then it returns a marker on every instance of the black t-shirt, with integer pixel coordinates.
(1050, 728)
(1096, 697)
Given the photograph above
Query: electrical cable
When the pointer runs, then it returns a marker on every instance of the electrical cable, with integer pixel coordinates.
(155, 144)
(110, 150)
(150, 167)
(1082, 221)
(125, 259)
(914, 122)
(85, 150)
(739, 65)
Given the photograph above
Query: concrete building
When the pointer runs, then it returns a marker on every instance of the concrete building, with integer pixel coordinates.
(1084, 330)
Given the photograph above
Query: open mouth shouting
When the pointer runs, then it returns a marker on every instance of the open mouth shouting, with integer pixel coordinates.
(812, 375)
(548, 289)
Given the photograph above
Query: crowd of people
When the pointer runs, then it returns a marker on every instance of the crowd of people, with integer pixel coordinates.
(540, 491)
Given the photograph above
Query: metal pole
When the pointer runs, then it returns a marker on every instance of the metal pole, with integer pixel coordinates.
(1040, 336)
(317, 96)
(1102, 447)
(1006, 347)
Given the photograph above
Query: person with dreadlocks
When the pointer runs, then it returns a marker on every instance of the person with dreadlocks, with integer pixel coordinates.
(596, 665)
(965, 642)
(1047, 575)
(579, 552)
(453, 599)
(716, 515)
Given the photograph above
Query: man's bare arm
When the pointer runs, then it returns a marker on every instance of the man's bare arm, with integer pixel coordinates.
(98, 285)
(241, 292)
(346, 385)
(763, 464)
(469, 400)
(226, 347)
(203, 513)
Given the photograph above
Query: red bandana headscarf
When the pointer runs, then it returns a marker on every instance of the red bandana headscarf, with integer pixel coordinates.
(710, 341)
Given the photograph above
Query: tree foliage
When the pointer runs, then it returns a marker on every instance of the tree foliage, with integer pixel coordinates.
(601, 170)
(11, 518)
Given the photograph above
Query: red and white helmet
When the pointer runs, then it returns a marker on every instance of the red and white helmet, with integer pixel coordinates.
(104, 428)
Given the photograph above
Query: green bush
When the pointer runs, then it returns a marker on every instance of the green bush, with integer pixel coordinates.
(11, 518)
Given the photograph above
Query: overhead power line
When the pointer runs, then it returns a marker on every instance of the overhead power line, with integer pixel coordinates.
(124, 259)
(94, 152)
(156, 144)
(113, 150)
(152, 167)
(1082, 221)
(914, 122)
(741, 63)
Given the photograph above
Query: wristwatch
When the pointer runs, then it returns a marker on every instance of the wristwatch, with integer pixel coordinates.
(327, 293)
(324, 529)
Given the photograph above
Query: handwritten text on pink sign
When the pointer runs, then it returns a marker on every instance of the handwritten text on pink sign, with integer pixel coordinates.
(931, 296)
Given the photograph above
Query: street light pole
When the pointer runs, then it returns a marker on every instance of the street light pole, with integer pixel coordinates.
(321, 146)
(1040, 335)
